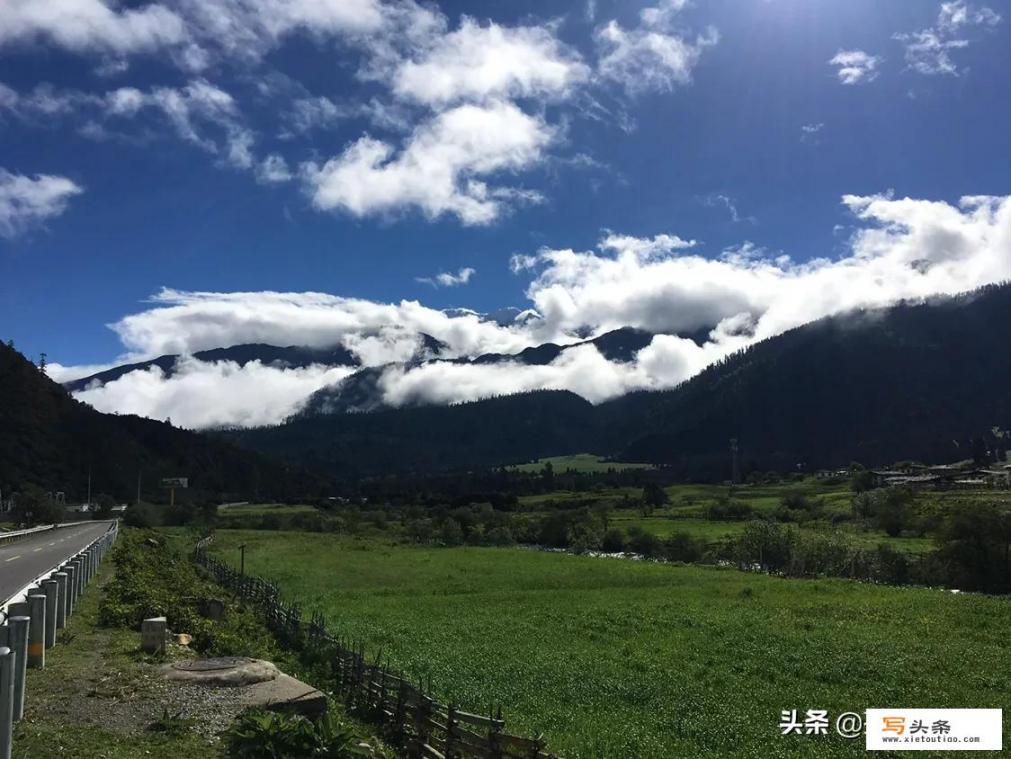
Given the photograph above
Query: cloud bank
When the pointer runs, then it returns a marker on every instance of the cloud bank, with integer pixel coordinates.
(899, 248)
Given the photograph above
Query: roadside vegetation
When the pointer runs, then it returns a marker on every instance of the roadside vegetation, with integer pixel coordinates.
(99, 695)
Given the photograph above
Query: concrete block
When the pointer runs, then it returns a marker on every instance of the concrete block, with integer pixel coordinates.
(152, 635)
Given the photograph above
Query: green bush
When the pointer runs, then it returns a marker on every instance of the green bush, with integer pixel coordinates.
(154, 579)
(261, 734)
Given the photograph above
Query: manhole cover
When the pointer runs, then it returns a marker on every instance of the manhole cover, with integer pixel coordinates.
(211, 665)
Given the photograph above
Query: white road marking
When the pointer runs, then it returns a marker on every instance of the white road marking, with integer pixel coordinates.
(36, 550)
(13, 557)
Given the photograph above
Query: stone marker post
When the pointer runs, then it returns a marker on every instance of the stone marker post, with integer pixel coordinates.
(152, 635)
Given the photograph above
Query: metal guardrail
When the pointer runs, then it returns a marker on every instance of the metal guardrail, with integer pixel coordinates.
(13, 535)
(10, 537)
(31, 618)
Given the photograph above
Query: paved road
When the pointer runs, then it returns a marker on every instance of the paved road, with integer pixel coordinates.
(24, 560)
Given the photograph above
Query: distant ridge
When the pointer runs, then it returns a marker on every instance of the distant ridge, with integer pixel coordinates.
(292, 356)
(929, 381)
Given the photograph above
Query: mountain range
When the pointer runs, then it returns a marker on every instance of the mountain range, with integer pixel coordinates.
(920, 380)
(925, 381)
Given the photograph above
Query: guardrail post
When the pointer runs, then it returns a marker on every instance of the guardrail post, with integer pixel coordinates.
(61, 600)
(71, 571)
(37, 631)
(78, 577)
(6, 701)
(19, 645)
(52, 590)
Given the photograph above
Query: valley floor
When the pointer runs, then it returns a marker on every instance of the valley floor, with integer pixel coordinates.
(613, 658)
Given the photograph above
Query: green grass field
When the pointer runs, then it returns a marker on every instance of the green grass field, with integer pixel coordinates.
(585, 463)
(260, 509)
(616, 658)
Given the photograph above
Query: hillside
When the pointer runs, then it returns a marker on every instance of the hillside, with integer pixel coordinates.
(50, 440)
(924, 381)
(431, 438)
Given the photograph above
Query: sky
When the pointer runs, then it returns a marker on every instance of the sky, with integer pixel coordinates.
(187, 174)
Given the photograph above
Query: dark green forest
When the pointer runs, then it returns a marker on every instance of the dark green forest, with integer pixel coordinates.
(49, 440)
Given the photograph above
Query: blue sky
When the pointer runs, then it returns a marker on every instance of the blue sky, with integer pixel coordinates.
(723, 122)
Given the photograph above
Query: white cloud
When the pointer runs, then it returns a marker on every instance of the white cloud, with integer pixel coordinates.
(955, 15)
(928, 51)
(810, 134)
(91, 25)
(907, 248)
(199, 113)
(193, 110)
(251, 28)
(476, 63)
(27, 202)
(856, 66)
(902, 248)
(273, 170)
(202, 394)
(441, 168)
(192, 32)
(187, 322)
(446, 279)
(650, 57)
(718, 199)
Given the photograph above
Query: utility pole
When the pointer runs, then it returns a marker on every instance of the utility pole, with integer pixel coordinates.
(242, 559)
(735, 462)
(138, 487)
(89, 487)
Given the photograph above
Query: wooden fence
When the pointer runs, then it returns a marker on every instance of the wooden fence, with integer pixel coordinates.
(409, 713)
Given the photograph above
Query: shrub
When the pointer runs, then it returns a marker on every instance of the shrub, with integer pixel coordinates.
(614, 541)
(644, 543)
(500, 536)
(727, 510)
(681, 546)
(261, 734)
(763, 543)
(451, 533)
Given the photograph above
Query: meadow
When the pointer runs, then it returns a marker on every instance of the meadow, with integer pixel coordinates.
(619, 658)
(583, 463)
(261, 509)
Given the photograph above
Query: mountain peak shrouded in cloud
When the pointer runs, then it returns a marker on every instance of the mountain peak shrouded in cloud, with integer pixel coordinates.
(694, 310)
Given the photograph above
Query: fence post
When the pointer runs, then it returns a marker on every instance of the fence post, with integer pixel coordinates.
(18, 635)
(37, 631)
(61, 603)
(52, 590)
(6, 701)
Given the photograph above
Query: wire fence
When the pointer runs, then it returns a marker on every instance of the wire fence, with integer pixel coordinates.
(408, 711)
